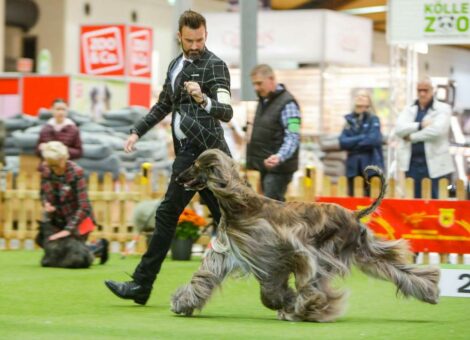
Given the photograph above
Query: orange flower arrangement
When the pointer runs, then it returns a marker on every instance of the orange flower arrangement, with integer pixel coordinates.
(189, 224)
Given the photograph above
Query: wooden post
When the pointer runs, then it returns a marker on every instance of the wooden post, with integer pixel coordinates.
(326, 186)
(409, 188)
(375, 185)
(461, 193)
(342, 186)
(443, 192)
(358, 186)
(426, 192)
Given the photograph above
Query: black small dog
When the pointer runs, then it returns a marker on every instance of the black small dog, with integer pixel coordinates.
(67, 252)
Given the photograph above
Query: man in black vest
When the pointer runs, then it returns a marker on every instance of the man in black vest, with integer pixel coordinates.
(273, 149)
(197, 92)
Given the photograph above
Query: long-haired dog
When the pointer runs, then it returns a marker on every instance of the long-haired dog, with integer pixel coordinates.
(67, 252)
(272, 240)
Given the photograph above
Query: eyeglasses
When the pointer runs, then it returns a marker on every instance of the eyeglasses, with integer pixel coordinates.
(361, 106)
(423, 90)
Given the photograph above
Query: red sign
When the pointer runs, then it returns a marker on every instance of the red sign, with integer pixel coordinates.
(24, 65)
(102, 50)
(139, 51)
(429, 225)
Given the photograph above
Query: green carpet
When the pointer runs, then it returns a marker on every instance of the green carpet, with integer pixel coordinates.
(43, 303)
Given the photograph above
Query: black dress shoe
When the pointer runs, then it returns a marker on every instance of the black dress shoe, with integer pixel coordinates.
(129, 290)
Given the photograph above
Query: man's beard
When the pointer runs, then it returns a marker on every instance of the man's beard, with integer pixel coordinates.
(192, 54)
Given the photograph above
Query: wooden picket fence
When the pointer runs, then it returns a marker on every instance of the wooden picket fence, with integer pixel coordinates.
(114, 200)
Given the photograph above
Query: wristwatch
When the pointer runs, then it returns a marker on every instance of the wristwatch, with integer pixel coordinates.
(203, 104)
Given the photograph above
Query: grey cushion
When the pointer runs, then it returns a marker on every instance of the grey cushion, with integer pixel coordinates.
(94, 127)
(123, 128)
(109, 164)
(129, 115)
(25, 140)
(45, 114)
(96, 151)
(20, 122)
(114, 123)
(79, 118)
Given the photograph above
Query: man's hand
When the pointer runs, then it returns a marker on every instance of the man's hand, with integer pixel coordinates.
(426, 123)
(130, 143)
(194, 91)
(41, 146)
(49, 208)
(272, 161)
(60, 234)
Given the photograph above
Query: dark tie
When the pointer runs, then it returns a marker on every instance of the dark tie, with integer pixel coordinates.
(180, 75)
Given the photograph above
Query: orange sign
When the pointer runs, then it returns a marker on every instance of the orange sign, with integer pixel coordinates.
(429, 225)
(102, 50)
(139, 53)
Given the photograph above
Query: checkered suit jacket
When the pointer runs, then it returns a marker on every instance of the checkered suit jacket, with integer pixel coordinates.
(202, 128)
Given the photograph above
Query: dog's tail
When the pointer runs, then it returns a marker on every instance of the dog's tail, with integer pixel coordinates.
(387, 260)
(383, 188)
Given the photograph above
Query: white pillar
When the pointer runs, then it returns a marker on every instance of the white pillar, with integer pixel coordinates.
(248, 44)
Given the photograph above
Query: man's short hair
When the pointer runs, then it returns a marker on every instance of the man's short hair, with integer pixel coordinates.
(59, 100)
(191, 19)
(425, 80)
(55, 150)
(263, 69)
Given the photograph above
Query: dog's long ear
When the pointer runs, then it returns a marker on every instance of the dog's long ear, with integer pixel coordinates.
(217, 178)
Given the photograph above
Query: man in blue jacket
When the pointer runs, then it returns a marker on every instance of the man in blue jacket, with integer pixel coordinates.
(362, 139)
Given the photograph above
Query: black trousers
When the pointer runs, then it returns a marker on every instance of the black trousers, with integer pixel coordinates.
(176, 199)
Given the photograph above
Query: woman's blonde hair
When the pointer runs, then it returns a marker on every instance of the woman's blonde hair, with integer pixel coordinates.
(365, 94)
(55, 150)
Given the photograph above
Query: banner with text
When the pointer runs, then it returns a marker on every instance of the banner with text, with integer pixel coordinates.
(429, 225)
(139, 58)
(102, 50)
(116, 50)
(429, 21)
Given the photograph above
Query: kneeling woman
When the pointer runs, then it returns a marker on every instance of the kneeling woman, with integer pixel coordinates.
(68, 215)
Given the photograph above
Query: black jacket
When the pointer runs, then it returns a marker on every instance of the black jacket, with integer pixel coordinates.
(202, 128)
(268, 134)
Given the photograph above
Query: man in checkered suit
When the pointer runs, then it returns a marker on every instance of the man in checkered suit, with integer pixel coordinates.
(197, 93)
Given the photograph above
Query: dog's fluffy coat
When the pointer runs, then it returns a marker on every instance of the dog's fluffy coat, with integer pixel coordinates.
(272, 240)
(67, 252)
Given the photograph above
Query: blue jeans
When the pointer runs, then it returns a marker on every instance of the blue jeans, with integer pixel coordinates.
(275, 185)
(418, 171)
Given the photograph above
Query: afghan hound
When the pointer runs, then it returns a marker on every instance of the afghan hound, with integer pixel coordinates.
(313, 241)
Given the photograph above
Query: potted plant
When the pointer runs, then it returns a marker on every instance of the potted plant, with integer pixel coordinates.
(187, 231)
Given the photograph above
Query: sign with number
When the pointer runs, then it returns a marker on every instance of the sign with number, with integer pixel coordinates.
(102, 50)
(429, 21)
(139, 51)
(455, 282)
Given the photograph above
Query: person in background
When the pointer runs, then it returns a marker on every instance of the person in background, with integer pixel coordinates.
(64, 198)
(362, 139)
(197, 93)
(62, 129)
(2, 143)
(424, 149)
(234, 136)
(273, 149)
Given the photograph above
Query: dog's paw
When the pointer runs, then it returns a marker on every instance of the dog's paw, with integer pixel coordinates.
(286, 316)
(182, 302)
(178, 308)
